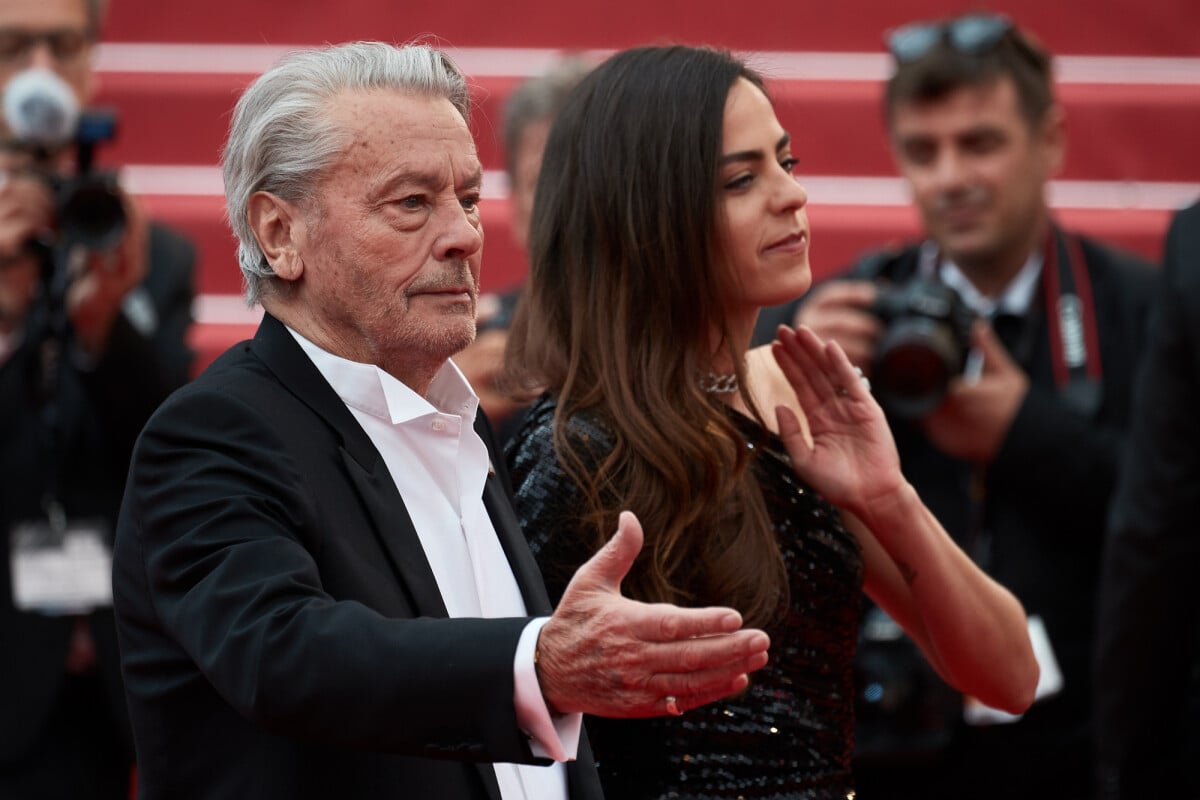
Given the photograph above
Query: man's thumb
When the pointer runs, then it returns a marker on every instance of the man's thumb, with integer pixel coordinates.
(984, 338)
(611, 564)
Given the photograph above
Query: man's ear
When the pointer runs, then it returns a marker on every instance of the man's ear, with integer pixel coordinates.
(276, 224)
(1054, 139)
(90, 82)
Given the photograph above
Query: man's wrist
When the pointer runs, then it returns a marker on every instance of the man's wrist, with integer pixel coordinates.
(554, 735)
(539, 670)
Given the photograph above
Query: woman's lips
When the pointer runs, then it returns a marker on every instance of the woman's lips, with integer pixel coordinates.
(792, 243)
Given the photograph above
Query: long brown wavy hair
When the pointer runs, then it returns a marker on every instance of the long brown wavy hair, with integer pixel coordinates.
(625, 293)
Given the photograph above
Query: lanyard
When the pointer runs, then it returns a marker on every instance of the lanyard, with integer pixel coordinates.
(1071, 319)
(1074, 354)
(1066, 289)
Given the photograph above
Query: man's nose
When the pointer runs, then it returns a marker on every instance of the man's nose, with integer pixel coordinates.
(949, 170)
(42, 55)
(461, 238)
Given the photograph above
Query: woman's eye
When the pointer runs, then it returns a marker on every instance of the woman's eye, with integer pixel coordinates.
(740, 182)
(789, 164)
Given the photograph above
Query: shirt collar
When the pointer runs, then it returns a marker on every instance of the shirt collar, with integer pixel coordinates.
(369, 389)
(1015, 299)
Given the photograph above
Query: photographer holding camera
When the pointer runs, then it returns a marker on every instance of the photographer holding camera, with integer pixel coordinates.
(95, 303)
(1003, 349)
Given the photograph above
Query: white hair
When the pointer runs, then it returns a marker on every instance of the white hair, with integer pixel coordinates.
(281, 139)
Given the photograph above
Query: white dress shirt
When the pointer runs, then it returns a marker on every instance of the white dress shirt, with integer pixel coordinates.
(1015, 299)
(440, 465)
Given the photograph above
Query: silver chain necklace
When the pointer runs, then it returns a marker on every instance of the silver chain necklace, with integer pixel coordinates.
(715, 383)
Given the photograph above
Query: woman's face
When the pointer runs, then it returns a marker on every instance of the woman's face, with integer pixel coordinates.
(763, 228)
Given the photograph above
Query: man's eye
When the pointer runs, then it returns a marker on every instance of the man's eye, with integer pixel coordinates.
(919, 153)
(413, 202)
(470, 202)
(984, 143)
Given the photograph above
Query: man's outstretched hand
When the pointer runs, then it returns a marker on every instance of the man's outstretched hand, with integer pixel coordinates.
(606, 655)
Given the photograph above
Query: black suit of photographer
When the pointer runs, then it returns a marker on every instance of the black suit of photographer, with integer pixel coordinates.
(101, 408)
(1037, 529)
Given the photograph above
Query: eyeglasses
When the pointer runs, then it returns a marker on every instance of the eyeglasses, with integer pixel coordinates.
(65, 44)
(970, 34)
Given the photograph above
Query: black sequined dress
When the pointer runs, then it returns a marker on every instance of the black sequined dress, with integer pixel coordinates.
(789, 736)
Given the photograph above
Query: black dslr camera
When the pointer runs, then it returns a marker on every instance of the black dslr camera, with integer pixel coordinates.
(87, 204)
(44, 119)
(924, 344)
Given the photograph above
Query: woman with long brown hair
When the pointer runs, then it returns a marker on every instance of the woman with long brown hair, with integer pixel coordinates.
(666, 215)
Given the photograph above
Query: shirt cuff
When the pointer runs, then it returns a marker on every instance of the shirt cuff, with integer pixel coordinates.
(554, 736)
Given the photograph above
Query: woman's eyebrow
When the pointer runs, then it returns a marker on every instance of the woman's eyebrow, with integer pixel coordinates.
(755, 155)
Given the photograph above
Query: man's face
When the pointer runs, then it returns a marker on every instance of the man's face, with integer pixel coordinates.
(391, 240)
(54, 34)
(977, 170)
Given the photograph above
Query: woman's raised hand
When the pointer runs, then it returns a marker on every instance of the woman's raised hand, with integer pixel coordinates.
(847, 452)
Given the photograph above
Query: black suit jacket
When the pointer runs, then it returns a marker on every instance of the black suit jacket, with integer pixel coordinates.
(100, 409)
(282, 633)
(1146, 713)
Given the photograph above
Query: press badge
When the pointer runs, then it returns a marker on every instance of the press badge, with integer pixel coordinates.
(64, 569)
(1050, 680)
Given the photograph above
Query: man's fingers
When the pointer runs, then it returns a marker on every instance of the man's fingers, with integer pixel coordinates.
(984, 338)
(722, 652)
(662, 622)
(686, 702)
(693, 689)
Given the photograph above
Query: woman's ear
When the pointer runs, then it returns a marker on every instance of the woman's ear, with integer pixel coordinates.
(277, 225)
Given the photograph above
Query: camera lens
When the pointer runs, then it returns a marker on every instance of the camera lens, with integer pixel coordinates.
(913, 365)
(90, 213)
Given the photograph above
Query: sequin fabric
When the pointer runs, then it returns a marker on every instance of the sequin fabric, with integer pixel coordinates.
(790, 735)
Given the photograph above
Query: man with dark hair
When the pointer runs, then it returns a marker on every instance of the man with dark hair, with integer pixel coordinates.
(1018, 456)
(528, 114)
(321, 586)
(1148, 626)
(92, 339)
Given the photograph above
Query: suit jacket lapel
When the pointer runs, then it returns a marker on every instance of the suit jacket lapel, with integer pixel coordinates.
(508, 529)
(497, 499)
(392, 524)
(487, 773)
(396, 532)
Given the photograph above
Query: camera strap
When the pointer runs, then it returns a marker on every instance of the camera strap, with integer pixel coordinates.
(1071, 319)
